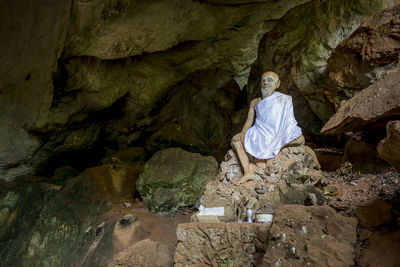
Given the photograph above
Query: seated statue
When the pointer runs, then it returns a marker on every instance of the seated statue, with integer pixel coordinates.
(269, 127)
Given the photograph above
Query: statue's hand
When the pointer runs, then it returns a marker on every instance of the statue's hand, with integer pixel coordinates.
(239, 137)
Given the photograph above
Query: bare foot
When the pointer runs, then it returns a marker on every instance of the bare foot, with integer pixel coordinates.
(245, 178)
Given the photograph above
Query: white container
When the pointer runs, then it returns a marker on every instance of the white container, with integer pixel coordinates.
(264, 217)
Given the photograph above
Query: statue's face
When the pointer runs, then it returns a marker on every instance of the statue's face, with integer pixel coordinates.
(269, 83)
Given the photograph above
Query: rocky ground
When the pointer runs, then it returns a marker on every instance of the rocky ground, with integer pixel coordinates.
(374, 200)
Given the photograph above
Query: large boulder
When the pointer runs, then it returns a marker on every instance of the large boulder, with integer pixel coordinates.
(315, 236)
(174, 178)
(389, 148)
(380, 101)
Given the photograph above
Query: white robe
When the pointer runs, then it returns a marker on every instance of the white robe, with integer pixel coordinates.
(274, 127)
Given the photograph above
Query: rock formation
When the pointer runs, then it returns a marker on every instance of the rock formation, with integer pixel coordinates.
(174, 178)
(314, 236)
(365, 56)
(379, 102)
(365, 67)
(220, 244)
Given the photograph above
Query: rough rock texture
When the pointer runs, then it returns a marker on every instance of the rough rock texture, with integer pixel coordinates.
(41, 225)
(174, 178)
(364, 57)
(29, 51)
(220, 244)
(315, 236)
(298, 49)
(144, 253)
(83, 222)
(379, 101)
(389, 148)
(289, 178)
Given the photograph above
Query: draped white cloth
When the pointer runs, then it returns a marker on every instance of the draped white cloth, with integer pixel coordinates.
(274, 127)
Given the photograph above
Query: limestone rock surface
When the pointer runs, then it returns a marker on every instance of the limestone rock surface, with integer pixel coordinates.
(389, 148)
(174, 178)
(363, 58)
(220, 244)
(315, 236)
(29, 53)
(379, 101)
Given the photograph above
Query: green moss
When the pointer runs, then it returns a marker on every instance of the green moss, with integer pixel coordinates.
(174, 178)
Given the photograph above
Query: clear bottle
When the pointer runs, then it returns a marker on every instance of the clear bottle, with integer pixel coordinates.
(249, 214)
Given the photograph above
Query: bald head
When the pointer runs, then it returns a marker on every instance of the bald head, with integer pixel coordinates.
(269, 83)
(270, 73)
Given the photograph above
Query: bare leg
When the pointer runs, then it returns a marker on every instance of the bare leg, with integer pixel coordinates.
(248, 168)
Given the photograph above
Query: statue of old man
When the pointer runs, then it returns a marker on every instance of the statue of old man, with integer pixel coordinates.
(269, 127)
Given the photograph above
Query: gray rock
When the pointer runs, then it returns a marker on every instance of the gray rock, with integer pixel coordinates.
(174, 178)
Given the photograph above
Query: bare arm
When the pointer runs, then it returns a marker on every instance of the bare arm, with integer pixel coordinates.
(250, 116)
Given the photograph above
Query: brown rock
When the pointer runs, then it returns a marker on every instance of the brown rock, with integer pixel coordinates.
(377, 102)
(374, 214)
(389, 148)
(361, 59)
(382, 249)
(145, 253)
(112, 181)
(363, 156)
(314, 236)
(220, 244)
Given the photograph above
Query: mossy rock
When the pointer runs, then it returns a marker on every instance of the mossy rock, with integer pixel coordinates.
(174, 178)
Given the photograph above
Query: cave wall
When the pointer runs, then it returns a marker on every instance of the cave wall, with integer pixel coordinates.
(79, 74)
(298, 49)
